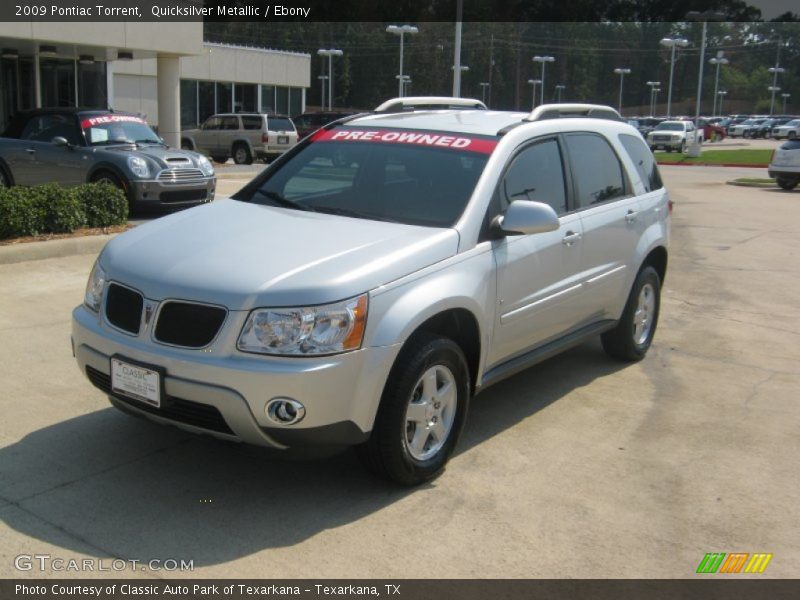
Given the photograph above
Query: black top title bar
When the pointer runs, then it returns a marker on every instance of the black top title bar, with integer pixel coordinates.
(381, 11)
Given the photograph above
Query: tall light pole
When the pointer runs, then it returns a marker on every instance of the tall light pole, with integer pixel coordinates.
(405, 81)
(457, 50)
(672, 43)
(534, 83)
(330, 53)
(653, 85)
(621, 72)
(484, 85)
(774, 87)
(721, 94)
(401, 30)
(559, 89)
(544, 60)
(322, 80)
(785, 97)
(718, 61)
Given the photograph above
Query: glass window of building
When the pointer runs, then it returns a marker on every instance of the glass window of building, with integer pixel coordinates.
(205, 100)
(188, 103)
(224, 97)
(8, 90)
(92, 90)
(281, 100)
(295, 101)
(267, 99)
(245, 97)
(57, 81)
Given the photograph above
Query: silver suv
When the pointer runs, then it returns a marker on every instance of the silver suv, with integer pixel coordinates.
(242, 136)
(373, 279)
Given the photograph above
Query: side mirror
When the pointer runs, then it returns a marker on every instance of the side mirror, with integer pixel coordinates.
(60, 141)
(524, 217)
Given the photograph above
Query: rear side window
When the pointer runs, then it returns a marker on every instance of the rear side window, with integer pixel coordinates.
(279, 124)
(597, 171)
(230, 123)
(536, 174)
(252, 122)
(644, 160)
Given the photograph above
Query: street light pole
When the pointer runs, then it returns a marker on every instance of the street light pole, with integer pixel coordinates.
(653, 85)
(721, 95)
(401, 30)
(784, 96)
(534, 83)
(330, 54)
(322, 80)
(774, 87)
(718, 61)
(672, 43)
(559, 88)
(621, 72)
(484, 85)
(544, 60)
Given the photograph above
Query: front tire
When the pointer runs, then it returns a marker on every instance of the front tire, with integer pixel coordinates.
(631, 338)
(787, 184)
(422, 412)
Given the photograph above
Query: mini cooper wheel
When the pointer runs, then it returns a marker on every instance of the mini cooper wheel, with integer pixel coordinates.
(241, 155)
(422, 412)
(632, 336)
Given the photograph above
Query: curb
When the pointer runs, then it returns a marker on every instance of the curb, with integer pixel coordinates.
(736, 165)
(17, 253)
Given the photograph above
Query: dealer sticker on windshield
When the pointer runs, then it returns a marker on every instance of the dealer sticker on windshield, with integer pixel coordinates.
(482, 145)
(135, 381)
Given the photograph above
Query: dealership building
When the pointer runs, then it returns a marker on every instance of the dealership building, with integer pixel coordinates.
(162, 70)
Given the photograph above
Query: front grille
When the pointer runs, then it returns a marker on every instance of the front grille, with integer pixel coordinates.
(661, 138)
(200, 415)
(188, 325)
(183, 195)
(180, 175)
(124, 308)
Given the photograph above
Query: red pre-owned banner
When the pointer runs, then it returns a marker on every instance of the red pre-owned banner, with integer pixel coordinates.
(416, 138)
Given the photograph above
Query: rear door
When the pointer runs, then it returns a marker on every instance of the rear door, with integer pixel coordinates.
(611, 217)
(539, 292)
(228, 133)
(207, 136)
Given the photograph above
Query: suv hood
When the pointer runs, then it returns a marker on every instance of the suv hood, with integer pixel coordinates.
(243, 255)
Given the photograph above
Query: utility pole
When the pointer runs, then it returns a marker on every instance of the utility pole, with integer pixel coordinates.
(491, 68)
(457, 51)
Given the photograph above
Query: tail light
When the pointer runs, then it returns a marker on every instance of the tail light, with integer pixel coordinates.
(264, 138)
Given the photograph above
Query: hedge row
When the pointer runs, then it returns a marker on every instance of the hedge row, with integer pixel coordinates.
(51, 208)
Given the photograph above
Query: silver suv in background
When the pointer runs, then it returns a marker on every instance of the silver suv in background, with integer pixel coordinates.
(364, 287)
(242, 136)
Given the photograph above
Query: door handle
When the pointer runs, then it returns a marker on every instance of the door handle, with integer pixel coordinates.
(630, 217)
(570, 238)
(30, 150)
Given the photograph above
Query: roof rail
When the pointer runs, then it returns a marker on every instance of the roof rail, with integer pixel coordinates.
(562, 111)
(411, 103)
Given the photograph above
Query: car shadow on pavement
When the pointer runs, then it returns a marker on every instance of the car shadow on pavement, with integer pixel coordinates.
(111, 486)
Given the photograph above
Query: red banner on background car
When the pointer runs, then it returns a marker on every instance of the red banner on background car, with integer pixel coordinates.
(105, 119)
(465, 143)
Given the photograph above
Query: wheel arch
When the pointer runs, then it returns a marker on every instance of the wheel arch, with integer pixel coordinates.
(657, 258)
(6, 171)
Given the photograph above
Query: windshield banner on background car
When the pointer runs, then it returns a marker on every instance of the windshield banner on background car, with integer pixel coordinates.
(481, 145)
(106, 119)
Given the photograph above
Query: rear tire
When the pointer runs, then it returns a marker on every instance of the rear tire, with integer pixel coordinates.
(787, 184)
(422, 412)
(631, 338)
(241, 155)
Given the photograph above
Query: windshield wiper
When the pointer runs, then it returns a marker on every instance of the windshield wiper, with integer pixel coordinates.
(349, 212)
(279, 200)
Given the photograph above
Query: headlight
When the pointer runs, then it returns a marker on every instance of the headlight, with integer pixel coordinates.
(205, 166)
(138, 166)
(94, 287)
(328, 329)
(676, 137)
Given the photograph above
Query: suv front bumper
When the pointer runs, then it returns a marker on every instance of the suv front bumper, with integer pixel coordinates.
(226, 395)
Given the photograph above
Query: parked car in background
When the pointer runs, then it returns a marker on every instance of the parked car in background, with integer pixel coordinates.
(745, 128)
(790, 130)
(785, 164)
(734, 120)
(242, 136)
(711, 131)
(71, 146)
(362, 291)
(673, 135)
(311, 121)
(647, 124)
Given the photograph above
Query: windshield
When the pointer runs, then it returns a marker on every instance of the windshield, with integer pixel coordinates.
(416, 178)
(670, 126)
(117, 129)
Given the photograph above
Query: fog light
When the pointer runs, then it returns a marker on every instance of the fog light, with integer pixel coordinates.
(285, 411)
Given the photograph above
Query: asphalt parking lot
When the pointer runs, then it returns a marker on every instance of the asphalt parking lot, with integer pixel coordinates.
(580, 467)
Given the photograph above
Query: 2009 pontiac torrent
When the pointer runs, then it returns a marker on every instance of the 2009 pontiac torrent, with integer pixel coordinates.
(374, 278)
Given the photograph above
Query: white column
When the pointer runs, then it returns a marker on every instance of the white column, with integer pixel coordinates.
(37, 80)
(168, 81)
(110, 84)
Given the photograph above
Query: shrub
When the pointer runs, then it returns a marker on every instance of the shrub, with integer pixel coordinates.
(51, 208)
(103, 203)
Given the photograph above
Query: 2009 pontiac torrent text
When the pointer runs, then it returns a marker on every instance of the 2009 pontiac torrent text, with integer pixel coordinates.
(375, 277)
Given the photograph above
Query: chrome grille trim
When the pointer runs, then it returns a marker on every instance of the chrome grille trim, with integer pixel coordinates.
(182, 175)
